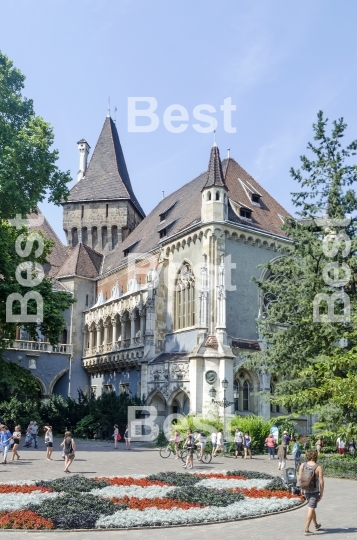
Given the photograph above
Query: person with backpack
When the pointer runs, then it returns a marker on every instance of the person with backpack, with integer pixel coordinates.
(311, 480)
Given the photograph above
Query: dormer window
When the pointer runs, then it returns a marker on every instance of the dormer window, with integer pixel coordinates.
(245, 213)
(129, 249)
(163, 233)
(166, 212)
(255, 198)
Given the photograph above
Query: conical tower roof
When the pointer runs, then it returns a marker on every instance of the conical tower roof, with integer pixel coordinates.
(83, 261)
(215, 175)
(106, 177)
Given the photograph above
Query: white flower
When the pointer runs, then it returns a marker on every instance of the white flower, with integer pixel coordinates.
(20, 483)
(153, 516)
(16, 501)
(149, 492)
(218, 483)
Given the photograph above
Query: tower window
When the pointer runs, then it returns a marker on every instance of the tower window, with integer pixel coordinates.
(74, 237)
(217, 195)
(114, 236)
(209, 196)
(185, 298)
(86, 300)
(106, 210)
(84, 235)
(94, 237)
(255, 198)
(104, 237)
(82, 212)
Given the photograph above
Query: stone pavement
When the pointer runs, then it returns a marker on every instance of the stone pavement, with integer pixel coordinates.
(337, 511)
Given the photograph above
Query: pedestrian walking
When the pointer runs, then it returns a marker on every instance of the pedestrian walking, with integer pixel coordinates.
(214, 441)
(116, 436)
(127, 438)
(341, 446)
(28, 439)
(319, 444)
(247, 445)
(5, 442)
(219, 445)
(48, 442)
(189, 444)
(270, 444)
(69, 447)
(282, 455)
(296, 452)
(352, 447)
(311, 480)
(238, 441)
(34, 432)
(16, 437)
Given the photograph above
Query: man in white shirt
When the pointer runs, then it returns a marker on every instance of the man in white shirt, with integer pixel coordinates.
(341, 446)
(219, 443)
(34, 432)
(238, 440)
(200, 440)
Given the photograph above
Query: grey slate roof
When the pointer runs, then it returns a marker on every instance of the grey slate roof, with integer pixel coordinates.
(106, 177)
(187, 211)
(215, 173)
(83, 261)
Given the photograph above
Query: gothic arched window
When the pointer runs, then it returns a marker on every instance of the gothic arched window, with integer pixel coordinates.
(246, 396)
(185, 298)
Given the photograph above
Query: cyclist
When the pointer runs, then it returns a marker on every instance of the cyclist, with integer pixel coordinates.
(176, 440)
(200, 440)
(190, 445)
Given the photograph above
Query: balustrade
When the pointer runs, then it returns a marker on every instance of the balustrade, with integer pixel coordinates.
(42, 346)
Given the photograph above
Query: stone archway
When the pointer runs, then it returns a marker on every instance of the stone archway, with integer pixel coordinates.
(55, 379)
(178, 402)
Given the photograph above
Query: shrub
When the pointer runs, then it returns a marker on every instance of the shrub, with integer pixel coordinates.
(276, 484)
(175, 479)
(73, 484)
(205, 496)
(76, 511)
(251, 475)
(258, 427)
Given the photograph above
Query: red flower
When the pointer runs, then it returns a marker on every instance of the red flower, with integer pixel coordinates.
(14, 488)
(24, 519)
(142, 482)
(161, 503)
(222, 476)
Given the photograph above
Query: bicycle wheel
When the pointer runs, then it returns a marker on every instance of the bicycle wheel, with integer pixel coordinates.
(184, 454)
(165, 452)
(207, 457)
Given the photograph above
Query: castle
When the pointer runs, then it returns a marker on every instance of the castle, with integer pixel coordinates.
(165, 304)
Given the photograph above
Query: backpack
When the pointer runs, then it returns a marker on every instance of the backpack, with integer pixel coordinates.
(308, 477)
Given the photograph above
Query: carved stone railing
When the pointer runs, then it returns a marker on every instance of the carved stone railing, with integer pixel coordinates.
(126, 343)
(128, 358)
(41, 346)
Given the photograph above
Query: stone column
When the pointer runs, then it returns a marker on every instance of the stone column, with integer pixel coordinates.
(99, 333)
(203, 295)
(123, 319)
(91, 337)
(132, 316)
(115, 337)
(105, 325)
(221, 304)
(142, 324)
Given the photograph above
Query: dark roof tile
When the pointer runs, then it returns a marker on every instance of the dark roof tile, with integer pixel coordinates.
(83, 261)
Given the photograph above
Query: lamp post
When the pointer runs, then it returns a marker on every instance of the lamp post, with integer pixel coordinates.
(222, 403)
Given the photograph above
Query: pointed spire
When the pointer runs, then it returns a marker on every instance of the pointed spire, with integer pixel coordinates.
(106, 176)
(108, 113)
(215, 175)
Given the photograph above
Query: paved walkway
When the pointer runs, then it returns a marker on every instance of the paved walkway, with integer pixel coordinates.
(337, 511)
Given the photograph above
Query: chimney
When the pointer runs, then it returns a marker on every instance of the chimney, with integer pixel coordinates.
(83, 149)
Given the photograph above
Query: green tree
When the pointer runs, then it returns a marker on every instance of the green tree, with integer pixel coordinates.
(28, 174)
(316, 355)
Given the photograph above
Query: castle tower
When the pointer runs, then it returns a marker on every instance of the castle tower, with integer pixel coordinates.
(101, 210)
(214, 206)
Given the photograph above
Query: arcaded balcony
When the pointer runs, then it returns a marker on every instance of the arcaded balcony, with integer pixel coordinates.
(42, 346)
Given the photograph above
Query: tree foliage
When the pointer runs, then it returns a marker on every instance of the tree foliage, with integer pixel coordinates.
(28, 174)
(315, 355)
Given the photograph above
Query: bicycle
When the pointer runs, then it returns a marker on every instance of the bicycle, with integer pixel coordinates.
(206, 458)
(166, 451)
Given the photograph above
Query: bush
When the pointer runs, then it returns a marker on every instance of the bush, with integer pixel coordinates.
(75, 511)
(16, 412)
(258, 428)
(206, 496)
(175, 479)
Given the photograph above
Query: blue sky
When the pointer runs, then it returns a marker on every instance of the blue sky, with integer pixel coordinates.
(279, 61)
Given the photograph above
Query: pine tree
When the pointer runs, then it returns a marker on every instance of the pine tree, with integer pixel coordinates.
(312, 351)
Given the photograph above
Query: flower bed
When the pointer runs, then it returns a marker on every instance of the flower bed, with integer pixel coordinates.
(162, 499)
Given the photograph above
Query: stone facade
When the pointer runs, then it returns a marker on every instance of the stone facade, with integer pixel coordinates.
(171, 310)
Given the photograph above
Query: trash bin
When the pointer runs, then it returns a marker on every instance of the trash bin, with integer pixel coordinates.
(226, 446)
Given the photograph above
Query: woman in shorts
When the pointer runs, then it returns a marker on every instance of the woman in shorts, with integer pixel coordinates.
(247, 445)
(69, 447)
(48, 442)
(214, 442)
(16, 437)
(127, 438)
